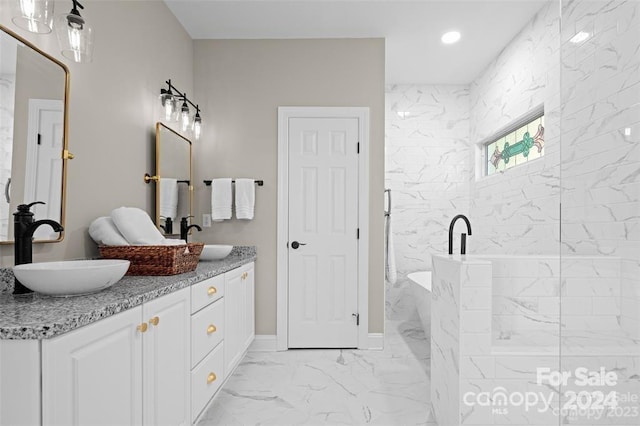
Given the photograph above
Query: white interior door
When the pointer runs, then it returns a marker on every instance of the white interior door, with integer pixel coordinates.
(323, 220)
(43, 171)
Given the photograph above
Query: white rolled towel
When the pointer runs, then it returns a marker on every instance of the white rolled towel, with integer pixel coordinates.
(221, 196)
(136, 226)
(245, 198)
(104, 232)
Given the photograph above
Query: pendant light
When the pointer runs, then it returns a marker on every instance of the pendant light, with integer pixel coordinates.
(184, 114)
(75, 35)
(35, 16)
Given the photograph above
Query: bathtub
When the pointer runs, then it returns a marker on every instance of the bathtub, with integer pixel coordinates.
(421, 290)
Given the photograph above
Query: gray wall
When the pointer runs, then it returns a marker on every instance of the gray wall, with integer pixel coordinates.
(113, 109)
(243, 82)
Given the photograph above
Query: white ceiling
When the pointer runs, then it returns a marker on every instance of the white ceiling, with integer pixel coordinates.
(414, 52)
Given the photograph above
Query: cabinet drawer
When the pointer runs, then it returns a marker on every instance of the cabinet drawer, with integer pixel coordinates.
(205, 380)
(207, 330)
(206, 292)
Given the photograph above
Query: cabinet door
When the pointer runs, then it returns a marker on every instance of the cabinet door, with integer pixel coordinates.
(233, 318)
(249, 303)
(93, 375)
(166, 362)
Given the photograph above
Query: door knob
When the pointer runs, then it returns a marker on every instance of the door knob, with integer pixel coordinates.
(295, 245)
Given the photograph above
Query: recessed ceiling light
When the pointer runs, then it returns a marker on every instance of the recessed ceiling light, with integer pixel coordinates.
(450, 37)
(580, 37)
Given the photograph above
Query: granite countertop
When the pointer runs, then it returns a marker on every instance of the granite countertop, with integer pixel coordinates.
(36, 316)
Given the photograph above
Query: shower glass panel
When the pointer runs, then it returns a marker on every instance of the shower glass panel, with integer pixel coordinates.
(600, 213)
(495, 331)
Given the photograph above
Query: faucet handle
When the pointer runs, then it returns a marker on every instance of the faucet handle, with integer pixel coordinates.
(26, 207)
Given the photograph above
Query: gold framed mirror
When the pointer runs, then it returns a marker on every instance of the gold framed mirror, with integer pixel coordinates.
(34, 110)
(174, 182)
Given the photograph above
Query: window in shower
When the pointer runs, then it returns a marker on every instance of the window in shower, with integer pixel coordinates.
(517, 145)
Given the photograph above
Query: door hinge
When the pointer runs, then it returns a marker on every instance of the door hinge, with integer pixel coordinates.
(39, 139)
(358, 148)
(357, 318)
(357, 233)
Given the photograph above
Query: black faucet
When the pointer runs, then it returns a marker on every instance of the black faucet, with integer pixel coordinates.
(168, 226)
(463, 241)
(185, 227)
(23, 228)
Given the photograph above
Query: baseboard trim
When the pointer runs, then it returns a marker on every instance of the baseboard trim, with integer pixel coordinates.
(376, 341)
(264, 343)
(268, 342)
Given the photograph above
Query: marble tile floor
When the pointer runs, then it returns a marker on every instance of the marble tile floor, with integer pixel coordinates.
(331, 386)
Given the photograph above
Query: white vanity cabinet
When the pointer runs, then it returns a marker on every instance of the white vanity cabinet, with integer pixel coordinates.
(159, 363)
(128, 369)
(239, 314)
(222, 331)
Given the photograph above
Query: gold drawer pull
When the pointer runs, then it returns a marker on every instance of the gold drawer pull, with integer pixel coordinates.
(211, 378)
(212, 290)
(154, 321)
(211, 329)
(142, 327)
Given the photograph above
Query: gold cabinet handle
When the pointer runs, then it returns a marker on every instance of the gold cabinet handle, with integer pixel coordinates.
(66, 155)
(212, 290)
(211, 329)
(211, 378)
(154, 321)
(142, 327)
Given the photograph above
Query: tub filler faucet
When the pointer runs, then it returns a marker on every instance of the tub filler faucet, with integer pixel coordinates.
(463, 236)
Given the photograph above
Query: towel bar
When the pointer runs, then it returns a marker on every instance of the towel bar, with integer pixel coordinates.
(258, 182)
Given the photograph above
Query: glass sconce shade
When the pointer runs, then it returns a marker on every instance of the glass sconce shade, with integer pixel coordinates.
(184, 115)
(168, 104)
(75, 37)
(197, 126)
(35, 16)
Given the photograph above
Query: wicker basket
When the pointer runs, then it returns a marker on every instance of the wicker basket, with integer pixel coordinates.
(156, 260)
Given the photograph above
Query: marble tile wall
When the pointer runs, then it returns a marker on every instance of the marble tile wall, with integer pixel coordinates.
(464, 358)
(527, 292)
(428, 170)
(601, 139)
(516, 211)
(7, 89)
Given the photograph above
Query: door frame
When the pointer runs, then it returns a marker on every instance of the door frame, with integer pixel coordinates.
(282, 251)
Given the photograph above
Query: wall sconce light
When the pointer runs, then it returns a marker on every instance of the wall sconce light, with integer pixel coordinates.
(75, 35)
(170, 104)
(35, 16)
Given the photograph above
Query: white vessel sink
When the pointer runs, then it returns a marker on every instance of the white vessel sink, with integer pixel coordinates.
(215, 252)
(72, 277)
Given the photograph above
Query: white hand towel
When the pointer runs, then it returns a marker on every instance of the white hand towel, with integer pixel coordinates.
(104, 232)
(169, 198)
(245, 198)
(390, 255)
(136, 226)
(220, 199)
